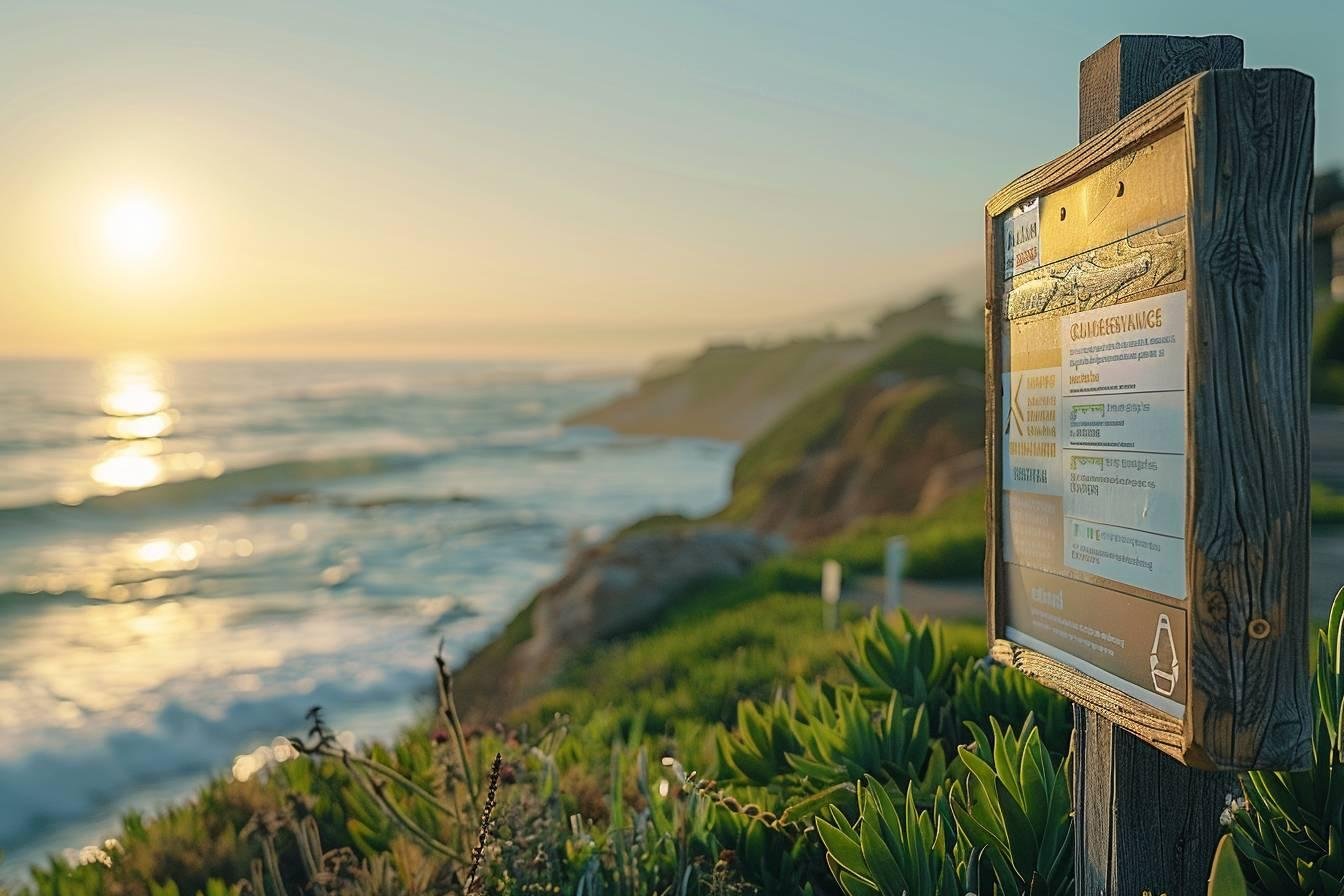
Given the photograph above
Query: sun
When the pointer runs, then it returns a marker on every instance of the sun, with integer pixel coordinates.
(136, 229)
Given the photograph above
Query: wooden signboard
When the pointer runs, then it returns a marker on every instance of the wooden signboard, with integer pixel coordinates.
(1148, 319)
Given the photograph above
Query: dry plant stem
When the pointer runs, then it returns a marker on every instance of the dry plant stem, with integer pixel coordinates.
(483, 832)
(272, 865)
(450, 790)
(258, 878)
(448, 706)
(376, 788)
(310, 846)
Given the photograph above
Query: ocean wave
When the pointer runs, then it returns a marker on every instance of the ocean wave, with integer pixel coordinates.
(241, 484)
(71, 779)
(308, 496)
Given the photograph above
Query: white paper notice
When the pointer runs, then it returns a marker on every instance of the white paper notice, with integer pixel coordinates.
(1032, 431)
(1124, 448)
(1094, 449)
(1022, 239)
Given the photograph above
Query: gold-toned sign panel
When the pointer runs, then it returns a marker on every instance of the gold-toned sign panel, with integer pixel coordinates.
(1136, 266)
(1136, 192)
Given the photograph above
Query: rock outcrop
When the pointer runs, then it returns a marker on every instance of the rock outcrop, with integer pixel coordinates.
(616, 586)
(607, 590)
(870, 443)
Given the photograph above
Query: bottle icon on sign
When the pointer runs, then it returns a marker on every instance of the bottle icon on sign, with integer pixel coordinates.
(1164, 679)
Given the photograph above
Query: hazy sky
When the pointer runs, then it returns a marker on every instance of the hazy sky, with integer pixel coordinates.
(564, 179)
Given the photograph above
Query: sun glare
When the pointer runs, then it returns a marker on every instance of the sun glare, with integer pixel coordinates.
(136, 229)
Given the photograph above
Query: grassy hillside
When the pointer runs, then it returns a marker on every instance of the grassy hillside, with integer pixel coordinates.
(737, 391)
(864, 443)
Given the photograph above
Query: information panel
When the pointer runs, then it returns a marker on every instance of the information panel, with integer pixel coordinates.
(1094, 492)
(1147, 439)
(1093, 427)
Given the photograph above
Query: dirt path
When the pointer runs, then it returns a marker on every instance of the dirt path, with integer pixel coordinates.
(964, 600)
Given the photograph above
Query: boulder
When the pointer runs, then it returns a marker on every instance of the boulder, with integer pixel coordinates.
(616, 586)
(607, 590)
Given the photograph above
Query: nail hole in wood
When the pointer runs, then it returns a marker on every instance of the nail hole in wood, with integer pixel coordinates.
(1258, 629)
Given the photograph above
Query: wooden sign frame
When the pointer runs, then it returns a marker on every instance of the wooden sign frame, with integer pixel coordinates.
(1246, 164)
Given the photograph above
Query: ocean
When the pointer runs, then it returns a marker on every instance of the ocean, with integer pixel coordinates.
(192, 555)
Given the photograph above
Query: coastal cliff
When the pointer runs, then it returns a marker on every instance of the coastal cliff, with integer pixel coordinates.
(897, 436)
(736, 392)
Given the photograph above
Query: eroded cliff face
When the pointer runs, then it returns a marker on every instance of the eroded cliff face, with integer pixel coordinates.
(899, 447)
(616, 586)
(606, 590)
(905, 431)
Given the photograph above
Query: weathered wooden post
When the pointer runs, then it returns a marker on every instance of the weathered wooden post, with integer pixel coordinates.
(1148, 314)
(894, 572)
(830, 595)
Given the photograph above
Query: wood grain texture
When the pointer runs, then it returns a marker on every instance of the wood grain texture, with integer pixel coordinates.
(1248, 532)
(1133, 68)
(1149, 121)
(993, 416)
(1158, 729)
(1144, 823)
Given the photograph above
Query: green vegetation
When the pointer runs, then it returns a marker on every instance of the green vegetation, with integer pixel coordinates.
(1327, 357)
(1327, 505)
(1003, 829)
(766, 367)
(895, 760)
(948, 543)
(813, 422)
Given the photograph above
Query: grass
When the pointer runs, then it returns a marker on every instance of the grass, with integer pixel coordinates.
(1327, 356)
(948, 543)
(711, 648)
(1327, 505)
(781, 449)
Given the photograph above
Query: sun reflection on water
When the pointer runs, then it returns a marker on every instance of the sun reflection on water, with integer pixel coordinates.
(135, 466)
(149, 426)
(133, 386)
(137, 419)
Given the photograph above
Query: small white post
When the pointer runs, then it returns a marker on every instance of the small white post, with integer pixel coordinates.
(896, 553)
(830, 595)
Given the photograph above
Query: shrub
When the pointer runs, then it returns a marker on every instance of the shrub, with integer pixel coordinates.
(1006, 829)
(947, 543)
(890, 851)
